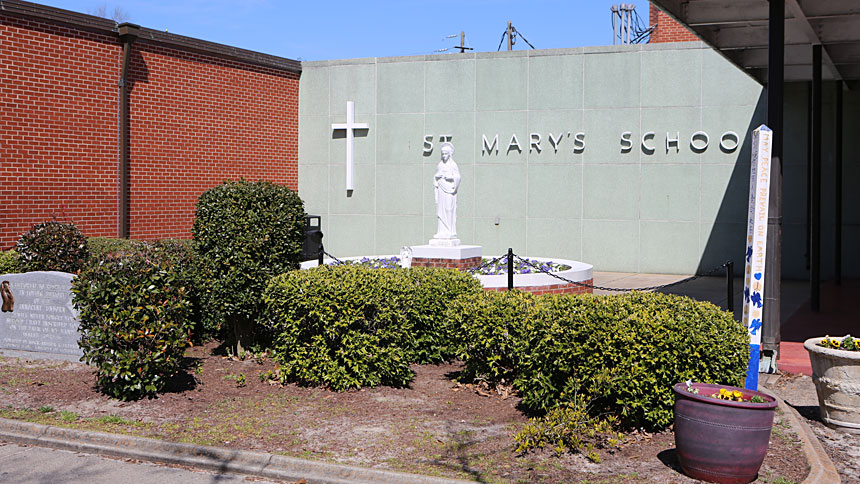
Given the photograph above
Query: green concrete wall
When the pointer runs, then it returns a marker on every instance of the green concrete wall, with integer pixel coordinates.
(665, 211)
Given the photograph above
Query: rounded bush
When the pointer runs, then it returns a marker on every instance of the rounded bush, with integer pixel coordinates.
(340, 327)
(352, 326)
(245, 233)
(624, 352)
(53, 246)
(135, 321)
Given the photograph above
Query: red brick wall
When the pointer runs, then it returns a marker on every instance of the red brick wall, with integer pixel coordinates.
(195, 120)
(667, 30)
(198, 120)
(58, 128)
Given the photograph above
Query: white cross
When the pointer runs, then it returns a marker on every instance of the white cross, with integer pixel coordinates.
(350, 126)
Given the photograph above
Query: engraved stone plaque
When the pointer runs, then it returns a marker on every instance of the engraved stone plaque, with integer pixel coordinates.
(42, 318)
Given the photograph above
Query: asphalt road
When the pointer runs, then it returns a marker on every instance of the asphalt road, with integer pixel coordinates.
(38, 465)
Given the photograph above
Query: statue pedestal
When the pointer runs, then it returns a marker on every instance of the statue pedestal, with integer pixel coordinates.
(444, 242)
(460, 257)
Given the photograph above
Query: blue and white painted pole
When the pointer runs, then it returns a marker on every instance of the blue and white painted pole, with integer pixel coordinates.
(756, 247)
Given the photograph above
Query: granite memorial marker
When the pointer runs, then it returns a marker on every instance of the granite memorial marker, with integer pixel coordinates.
(42, 318)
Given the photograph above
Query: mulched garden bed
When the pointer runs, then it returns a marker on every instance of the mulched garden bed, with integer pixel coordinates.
(435, 426)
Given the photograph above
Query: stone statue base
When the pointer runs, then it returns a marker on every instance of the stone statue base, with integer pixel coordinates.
(434, 242)
(453, 257)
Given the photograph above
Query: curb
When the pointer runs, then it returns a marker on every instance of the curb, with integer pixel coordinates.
(821, 468)
(204, 457)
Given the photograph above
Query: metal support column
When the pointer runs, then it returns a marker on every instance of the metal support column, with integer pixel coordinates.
(815, 185)
(837, 249)
(773, 265)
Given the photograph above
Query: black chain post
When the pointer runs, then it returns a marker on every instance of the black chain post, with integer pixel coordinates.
(322, 253)
(730, 286)
(510, 268)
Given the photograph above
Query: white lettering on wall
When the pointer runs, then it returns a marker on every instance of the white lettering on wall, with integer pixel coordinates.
(699, 142)
(729, 134)
(428, 144)
(534, 142)
(704, 140)
(626, 144)
(488, 148)
(645, 137)
(555, 142)
(514, 143)
(579, 142)
(673, 141)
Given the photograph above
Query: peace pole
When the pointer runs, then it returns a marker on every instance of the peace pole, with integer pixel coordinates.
(756, 246)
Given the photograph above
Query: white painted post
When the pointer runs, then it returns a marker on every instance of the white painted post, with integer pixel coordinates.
(756, 247)
(350, 126)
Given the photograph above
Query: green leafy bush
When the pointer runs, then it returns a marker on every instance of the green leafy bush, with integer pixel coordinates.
(554, 345)
(53, 246)
(135, 322)
(340, 327)
(102, 246)
(569, 427)
(9, 262)
(245, 233)
(352, 326)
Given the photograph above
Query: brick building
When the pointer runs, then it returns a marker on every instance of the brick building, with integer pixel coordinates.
(183, 116)
(666, 29)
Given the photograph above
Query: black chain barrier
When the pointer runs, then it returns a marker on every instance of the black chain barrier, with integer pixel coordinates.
(333, 257)
(622, 289)
(490, 262)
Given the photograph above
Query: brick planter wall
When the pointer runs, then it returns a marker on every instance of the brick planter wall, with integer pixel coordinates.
(461, 264)
(565, 288)
(200, 113)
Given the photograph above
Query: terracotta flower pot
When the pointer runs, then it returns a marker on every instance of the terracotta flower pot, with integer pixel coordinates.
(719, 440)
(836, 374)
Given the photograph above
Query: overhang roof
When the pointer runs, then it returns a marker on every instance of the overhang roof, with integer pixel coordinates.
(738, 29)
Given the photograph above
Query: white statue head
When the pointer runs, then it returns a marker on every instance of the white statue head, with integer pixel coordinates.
(447, 147)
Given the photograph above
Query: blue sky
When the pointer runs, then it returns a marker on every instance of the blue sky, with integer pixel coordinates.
(336, 29)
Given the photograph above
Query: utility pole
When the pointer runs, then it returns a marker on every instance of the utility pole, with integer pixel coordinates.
(462, 45)
(510, 36)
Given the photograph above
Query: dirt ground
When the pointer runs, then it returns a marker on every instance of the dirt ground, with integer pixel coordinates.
(433, 427)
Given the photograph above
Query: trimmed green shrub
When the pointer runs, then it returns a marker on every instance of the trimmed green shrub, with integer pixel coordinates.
(245, 233)
(102, 246)
(53, 246)
(9, 262)
(341, 327)
(556, 346)
(135, 322)
(352, 326)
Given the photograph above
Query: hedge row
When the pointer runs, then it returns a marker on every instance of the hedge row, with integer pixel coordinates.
(347, 327)
(624, 352)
